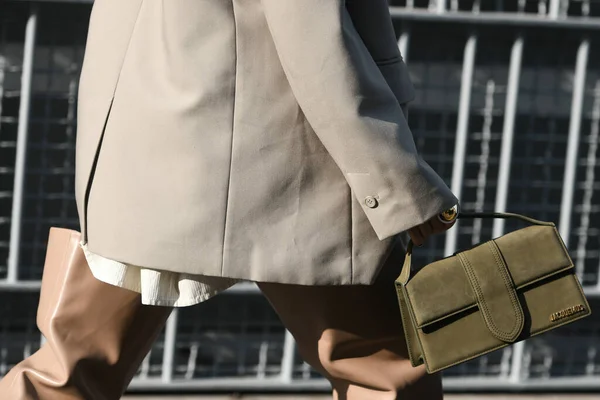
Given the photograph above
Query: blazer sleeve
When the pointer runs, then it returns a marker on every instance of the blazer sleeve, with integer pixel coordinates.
(355, 113)
(373, 23)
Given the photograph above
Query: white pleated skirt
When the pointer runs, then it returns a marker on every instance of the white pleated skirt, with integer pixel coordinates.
(157, 288)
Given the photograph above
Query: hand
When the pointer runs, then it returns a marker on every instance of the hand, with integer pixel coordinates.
(420, 233)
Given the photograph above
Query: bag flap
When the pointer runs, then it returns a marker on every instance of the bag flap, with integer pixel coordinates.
(443, 288)
(493, 287)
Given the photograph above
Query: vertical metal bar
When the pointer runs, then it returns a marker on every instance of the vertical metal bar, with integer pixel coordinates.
(3, 64)
(3, 363)
(440, 6)
(306, 370)
(505, 364)
(585, 8)
(588, 186)
(169, 349)
(484, 157)
(573, 143)
(590, 365)
(554, 9)
(460, 146)
(22, 130)
(403, 44)
(542, 8)
(508, 132)
(192, 361)
(261, 370)
(287, 361)
(475, 9)
(518, 350)
(145, 367)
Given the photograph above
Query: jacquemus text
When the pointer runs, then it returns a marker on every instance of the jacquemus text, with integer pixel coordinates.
(566, 312)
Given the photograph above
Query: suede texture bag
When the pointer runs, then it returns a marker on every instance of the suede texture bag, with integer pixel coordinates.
(497, 293)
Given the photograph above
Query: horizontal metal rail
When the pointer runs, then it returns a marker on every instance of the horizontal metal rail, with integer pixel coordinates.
(458, 384)
(230, 384)
(495, 18)
(239, 289)
(478, 18)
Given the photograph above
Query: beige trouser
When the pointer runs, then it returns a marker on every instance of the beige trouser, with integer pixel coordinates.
(97, 334)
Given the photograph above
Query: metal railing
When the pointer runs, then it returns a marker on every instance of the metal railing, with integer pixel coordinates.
(507, 111)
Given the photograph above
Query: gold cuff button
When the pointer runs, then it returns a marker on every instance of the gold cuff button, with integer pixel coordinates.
(371, 201)
(448, 216)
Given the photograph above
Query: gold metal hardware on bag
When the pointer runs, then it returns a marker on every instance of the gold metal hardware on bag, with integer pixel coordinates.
(567, 312)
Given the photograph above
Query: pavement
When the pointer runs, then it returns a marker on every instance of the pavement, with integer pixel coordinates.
(325, 397)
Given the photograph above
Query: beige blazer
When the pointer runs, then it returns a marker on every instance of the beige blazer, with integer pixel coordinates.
(251, 139)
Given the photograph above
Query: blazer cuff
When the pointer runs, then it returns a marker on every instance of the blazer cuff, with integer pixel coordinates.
(391, 210)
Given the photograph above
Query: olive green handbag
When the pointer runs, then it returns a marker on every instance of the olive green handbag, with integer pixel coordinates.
(497, 293)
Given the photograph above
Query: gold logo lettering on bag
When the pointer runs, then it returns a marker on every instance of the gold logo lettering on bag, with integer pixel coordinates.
(566, 312)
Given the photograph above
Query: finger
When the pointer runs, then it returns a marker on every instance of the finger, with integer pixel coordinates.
(416, 237)
(439, 227)
(428, 228)
(424, 236)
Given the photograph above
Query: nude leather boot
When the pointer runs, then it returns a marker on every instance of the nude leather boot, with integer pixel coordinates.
(96, 334)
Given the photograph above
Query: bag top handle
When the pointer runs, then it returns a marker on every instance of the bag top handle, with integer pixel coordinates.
(406, 268)
(472, 215)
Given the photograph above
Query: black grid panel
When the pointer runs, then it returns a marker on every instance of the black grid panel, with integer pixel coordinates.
(13, 19)
(490, 365)
(585, 217)
(302, 370)
(581, 8)
(49, 182)
(542, 125)
(19, 336)
(435, 66)
(152, 366)
(229, 336)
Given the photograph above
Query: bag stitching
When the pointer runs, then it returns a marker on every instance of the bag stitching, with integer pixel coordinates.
(481, 299)
(405, 328)
(413, 319)
(410, 354)
(510, 288)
